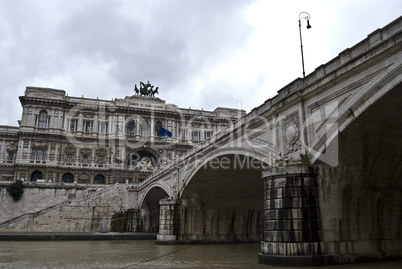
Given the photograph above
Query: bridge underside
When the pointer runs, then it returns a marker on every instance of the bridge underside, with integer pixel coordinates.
(222, 203)
(362, 216)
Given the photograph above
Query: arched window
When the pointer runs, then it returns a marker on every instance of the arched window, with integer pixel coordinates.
(131, 127)
(158, 126)
(36, 175)
(99, 179)
(144, 128)
(43, 119)
(68, 178)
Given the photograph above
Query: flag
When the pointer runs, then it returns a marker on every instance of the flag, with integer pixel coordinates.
(164, 132)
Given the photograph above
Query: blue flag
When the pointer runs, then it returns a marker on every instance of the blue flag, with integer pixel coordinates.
(164, 132)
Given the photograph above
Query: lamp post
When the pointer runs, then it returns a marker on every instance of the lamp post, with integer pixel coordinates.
(303, 15)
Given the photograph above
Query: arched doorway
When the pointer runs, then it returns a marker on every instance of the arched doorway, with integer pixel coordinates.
(68, 178)
(36, 175)
(99, 179)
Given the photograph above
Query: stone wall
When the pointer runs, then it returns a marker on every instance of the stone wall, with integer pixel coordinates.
(87, 210)
(37, 196)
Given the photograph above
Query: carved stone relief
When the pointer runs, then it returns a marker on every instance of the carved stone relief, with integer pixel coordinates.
(293, 142)
(69, 150)
(101, 152)
(86, 151)
(39, 146)
(12, 147)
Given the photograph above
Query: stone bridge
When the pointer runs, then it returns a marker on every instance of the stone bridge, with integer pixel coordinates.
(314, 173)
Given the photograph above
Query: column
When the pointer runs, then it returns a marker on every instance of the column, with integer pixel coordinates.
(169, 220)
(56, 153)
(65, 120)
(95, 130)
(152, 129)
(49, 148)
(29, 155)
(137, 126)
(292, 234)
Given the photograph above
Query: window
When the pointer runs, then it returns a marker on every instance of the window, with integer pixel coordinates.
(103, 127)
(11, 156)
(208, 135)
(85, 159)
(131, 127)
(68, 178)
(144, 128)
(100, 159)
(182, 134)
(196, 135)
(87, 126)
(158, 126)
(33, 155)
(73, 125)
(69, 158)
(42, 119)
(38, 154)
(36, 175)
(99, 179)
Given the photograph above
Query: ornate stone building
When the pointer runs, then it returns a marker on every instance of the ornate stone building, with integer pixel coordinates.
(92, 141)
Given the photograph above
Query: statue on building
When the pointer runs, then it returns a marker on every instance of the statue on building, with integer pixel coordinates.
(146, 89)
(144, 166)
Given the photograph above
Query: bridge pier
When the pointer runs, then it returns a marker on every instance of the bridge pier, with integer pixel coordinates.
(169, 221)
(292, 227)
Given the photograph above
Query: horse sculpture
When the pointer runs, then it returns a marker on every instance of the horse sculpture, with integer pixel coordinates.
(146, 89)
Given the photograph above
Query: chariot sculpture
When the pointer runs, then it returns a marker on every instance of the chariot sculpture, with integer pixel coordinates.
(146, 89)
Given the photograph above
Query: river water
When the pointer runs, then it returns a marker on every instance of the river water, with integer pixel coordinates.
(138, 254)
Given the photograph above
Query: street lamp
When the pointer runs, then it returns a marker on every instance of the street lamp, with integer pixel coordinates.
(303, 15)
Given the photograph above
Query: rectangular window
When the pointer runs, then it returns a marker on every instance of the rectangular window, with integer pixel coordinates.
(196, 135)
(182, 134)
(42, 122)
(85, 159)
(208, 135)
(11, 156)
(44, 155)
(33, 155)
(100, 160)
(73, 125)
(87, 126)
(69, 158)
(38, 154)
(103, 127)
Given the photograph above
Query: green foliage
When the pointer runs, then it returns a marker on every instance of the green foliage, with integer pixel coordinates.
(16, 190)
(304, 160)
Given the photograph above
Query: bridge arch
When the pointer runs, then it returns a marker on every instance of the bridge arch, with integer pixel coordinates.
(149, 207)
(223, 201)
(244, 158)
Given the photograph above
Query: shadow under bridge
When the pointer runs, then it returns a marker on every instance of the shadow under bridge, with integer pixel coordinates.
(223, 202)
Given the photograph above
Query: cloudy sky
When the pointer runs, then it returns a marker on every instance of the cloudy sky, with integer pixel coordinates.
(200, 53)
